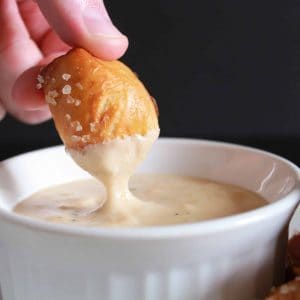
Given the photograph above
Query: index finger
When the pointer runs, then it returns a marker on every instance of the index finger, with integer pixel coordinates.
(85, 23)
(14, 43)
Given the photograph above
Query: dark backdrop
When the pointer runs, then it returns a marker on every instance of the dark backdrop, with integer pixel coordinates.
(224, 70)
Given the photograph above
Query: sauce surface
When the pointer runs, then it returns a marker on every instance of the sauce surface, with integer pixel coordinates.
(154, 199)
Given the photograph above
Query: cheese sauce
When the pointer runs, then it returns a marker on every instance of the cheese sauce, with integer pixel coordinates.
(155, 199)
(148, 200)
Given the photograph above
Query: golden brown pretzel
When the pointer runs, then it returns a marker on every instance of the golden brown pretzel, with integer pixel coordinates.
(94, 101)
(290, 290)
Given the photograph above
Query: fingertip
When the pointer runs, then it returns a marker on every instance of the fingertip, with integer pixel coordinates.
(26, 92)
(91, 28)
(34, 117)
(29, 104)
(107, 48)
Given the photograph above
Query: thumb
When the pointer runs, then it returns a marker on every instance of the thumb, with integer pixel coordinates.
(85, 23)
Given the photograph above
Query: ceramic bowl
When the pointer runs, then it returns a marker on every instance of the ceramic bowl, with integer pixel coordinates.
(232, 258)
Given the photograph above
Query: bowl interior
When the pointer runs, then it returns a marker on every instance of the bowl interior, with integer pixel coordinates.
(264, 173)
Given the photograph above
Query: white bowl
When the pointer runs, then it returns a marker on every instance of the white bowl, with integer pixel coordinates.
(233, 258)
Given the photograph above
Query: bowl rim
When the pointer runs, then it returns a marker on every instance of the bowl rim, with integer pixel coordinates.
(166, 231)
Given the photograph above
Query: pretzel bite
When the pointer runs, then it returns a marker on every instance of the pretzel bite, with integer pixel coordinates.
(294, 254)
(288, 291)
(94, 101)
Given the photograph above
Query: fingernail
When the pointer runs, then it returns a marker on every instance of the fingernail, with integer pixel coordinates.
(2, 112)
(97, 22)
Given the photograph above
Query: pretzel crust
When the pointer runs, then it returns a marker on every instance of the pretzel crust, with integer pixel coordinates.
(94, 101)
(287, 291)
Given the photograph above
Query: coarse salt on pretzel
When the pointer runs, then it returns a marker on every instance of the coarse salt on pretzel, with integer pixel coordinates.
(94, 101)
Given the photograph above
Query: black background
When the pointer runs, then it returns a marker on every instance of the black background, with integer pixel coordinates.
(225, 70)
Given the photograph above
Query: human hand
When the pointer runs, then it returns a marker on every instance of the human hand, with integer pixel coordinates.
(34, 33)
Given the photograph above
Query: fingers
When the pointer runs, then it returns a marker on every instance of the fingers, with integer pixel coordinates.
(13, 70)
(39, 29)
(17, 54)
(30, 99)
(35, 117)
(36, 23)
(51, 43)
(25, 92)
(85, 24)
